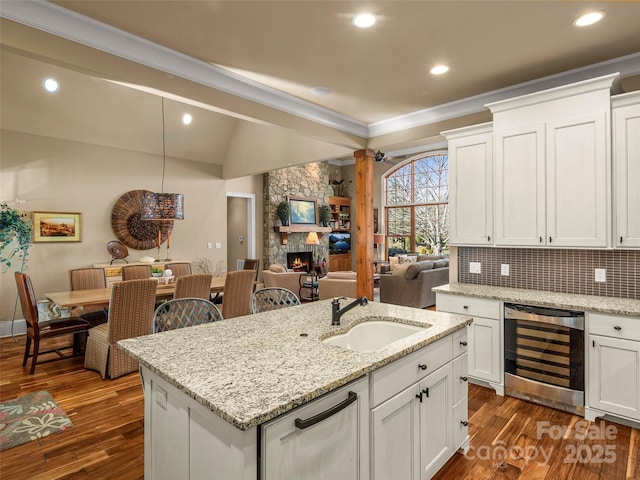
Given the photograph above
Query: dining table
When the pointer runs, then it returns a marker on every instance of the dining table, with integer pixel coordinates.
(99, 297)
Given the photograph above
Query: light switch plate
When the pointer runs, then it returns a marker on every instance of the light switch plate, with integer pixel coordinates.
(218, 245)
(475, 267)
(601, 275)
(209, 246)
(504, 269)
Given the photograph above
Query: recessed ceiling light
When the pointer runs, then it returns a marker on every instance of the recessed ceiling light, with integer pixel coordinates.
(439, 70)
(320, 91)
(51, 85)
(364, 20)
(186, 119)
(588, 19)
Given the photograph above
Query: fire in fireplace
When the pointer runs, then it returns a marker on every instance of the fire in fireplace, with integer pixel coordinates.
(300, 261)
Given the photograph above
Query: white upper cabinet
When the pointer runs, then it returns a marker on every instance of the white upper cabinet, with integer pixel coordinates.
(552, 166)
(626, 168)
(471, 185)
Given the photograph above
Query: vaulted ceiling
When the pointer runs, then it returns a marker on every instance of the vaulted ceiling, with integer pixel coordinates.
(245, 70)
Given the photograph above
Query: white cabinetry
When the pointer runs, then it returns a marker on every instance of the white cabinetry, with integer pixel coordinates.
(326, 438)
(552, 166)
(471, 185)
(419, 411)
(485, 343)
(614, 366)
(626, 168)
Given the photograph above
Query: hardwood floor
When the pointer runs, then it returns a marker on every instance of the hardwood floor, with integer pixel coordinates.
(106, 441)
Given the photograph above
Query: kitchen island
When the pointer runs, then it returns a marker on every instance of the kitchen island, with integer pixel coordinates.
(212, 391)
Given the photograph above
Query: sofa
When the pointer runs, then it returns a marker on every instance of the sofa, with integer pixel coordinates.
(278, 276)
(337, 284)
(410, 283)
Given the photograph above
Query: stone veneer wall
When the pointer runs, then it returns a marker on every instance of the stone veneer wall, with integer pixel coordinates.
(311, 181)
(555, 270)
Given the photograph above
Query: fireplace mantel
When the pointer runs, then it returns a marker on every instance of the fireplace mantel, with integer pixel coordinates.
(286, 230)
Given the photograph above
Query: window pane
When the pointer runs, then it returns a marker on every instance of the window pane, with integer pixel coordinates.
(432, 229)
(399, 187)
(399, 221)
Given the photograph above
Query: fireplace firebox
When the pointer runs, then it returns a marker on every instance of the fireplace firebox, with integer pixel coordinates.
(300, 261)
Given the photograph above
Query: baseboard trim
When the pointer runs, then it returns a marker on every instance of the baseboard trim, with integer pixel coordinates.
(19, 328)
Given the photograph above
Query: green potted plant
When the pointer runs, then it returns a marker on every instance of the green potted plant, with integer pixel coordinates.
(324, 212)
(283, 212)
(157, 271)
(15, 236)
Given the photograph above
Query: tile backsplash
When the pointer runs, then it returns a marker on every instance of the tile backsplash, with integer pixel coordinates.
(562, 270)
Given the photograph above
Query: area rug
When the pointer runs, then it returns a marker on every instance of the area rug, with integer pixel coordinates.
(29, 418)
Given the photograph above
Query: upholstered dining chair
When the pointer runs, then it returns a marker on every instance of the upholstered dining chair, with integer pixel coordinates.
(272, 299)
(238, 289)
(184, 312)
(131, 309)
(197, 285)
(179, 269)
(136, 272)
(87, 279)
(252, 264)
(37, 331)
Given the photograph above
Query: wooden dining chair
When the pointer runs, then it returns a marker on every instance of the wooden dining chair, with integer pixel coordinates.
(136, 272)
(273, 298)
(131, 309)
(37, 331)
(238, 289)
(184, 312)
(197, 285)
(87, 279)
(179, 269)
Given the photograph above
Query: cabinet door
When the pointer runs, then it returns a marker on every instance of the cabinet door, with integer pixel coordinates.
(520, 186)
(335, 447)
(395, 439)
(626, 161)
(578, 198)
(485, 353)
(436, 409)
(614, 376)
(471, 190)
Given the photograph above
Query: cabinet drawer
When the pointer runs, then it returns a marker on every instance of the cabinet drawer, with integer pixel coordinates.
(402, 373)
(617, 326)
(480, 307)
(460, 385)
(460, 341)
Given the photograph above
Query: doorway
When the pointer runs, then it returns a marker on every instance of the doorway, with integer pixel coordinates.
(241, 220)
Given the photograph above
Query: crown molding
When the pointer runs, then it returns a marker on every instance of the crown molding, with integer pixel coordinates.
(59, 21)
(65, 23)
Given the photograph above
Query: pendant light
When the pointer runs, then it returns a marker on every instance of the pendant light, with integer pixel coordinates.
(162, 206)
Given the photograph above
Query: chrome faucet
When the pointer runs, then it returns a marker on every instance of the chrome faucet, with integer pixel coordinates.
(336, 313)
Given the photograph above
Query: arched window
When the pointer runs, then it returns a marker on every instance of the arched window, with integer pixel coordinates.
(417, 205)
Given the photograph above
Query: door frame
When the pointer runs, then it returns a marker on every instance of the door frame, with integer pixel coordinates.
(251, 220)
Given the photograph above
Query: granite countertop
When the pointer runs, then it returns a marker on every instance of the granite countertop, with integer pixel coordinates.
(587, 303)
(250, 369)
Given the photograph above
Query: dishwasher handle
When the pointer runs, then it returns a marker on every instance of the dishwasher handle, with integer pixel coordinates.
(301, 424)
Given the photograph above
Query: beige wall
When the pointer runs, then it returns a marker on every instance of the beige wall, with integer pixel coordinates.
(58, 175)
(236, 228)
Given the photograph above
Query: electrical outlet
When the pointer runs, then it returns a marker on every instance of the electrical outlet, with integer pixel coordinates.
(160, 396)
(209, 246)
(504, 269)
(601, 275)
(475, 267)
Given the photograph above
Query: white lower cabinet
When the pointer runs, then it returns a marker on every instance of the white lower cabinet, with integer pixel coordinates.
(614, 367)
(324, 439)
(417, 430)
(486, 347)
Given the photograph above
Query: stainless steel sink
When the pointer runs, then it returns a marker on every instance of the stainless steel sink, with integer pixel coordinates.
(373, 335)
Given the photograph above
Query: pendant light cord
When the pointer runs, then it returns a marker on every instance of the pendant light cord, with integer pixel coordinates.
(164, 156)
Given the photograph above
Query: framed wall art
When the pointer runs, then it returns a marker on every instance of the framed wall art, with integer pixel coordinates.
(56, 227)
(303, 211)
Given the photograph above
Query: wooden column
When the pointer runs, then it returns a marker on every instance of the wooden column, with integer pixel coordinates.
(364, 222)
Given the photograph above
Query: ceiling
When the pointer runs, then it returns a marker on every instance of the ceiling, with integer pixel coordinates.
(246, 68)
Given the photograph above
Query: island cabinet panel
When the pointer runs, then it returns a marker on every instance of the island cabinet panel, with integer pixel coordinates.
(185, 440)
(335, 447)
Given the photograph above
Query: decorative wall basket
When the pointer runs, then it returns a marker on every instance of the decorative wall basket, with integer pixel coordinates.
(131, 229)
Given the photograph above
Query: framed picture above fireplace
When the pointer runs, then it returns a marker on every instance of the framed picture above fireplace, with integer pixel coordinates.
(304, 211)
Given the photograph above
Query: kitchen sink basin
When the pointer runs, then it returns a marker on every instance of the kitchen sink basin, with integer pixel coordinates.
(373, 335)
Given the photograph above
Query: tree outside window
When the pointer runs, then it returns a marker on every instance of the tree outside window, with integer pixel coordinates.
(417, 206)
